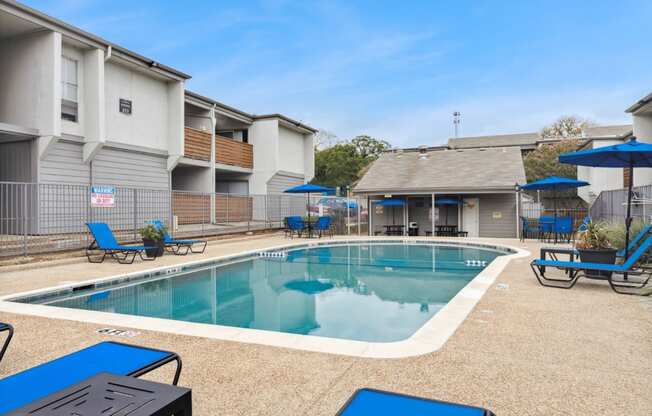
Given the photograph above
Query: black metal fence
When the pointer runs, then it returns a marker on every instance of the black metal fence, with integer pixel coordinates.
(37, 218)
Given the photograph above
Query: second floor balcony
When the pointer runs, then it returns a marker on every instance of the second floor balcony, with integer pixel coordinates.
(197, 144)
(233, 152)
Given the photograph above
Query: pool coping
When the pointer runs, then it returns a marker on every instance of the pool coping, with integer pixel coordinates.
(429, 338)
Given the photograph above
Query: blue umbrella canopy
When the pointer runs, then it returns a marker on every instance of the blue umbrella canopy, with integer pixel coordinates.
(554, 183)
(632, 154)
(448, 201)
(391, 203)
(308, 188)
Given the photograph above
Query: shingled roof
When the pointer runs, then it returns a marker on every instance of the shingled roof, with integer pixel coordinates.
(608, 131)
(519, 139)
(456, 170)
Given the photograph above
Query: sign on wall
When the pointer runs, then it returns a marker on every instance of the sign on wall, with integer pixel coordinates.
(125, 106)
(102, 196)
(497, 215)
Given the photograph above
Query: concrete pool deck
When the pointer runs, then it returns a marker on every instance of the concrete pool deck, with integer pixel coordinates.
(523, 350)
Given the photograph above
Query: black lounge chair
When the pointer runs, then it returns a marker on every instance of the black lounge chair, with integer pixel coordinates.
(117, 358)
(10, 333)
(576, 269)
(104, 240)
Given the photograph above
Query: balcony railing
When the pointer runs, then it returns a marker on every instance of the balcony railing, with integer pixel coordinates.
(197, 144)
(234, 153)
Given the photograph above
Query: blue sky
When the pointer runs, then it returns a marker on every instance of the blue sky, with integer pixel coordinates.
(397, 73)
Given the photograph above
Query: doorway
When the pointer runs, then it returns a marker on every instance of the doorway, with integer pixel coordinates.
(471, 216)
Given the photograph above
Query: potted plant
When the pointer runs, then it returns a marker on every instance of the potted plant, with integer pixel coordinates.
(594, 246)
(153, 237)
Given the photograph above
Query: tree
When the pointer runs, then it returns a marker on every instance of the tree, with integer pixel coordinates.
(544, 161)
(341, 164)
(566, 127)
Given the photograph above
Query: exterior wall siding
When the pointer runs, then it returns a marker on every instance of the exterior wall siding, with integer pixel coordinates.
(280, 182)
(504, 227)
(127, 168)
(63, 164)
(16, 162)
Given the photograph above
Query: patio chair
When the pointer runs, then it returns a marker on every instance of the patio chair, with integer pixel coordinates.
(575, 269)
(177, 246)
(527, 230)
(287, 230)
(104, 240)
(296, 226)
(563, 227)
(10, 333)
(366, 402)
(112, 357)
(545, 227)
(323, 226)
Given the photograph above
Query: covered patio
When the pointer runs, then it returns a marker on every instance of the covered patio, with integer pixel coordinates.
(436, 192)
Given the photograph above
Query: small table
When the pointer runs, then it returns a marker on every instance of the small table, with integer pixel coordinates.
(107, 394)
(394, 229)
(552, 252)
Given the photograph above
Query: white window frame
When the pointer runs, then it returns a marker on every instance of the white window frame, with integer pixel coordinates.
(65, 82)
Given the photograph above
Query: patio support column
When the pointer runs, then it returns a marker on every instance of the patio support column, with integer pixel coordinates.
(369, 216)
(405, 216)
(432, 214)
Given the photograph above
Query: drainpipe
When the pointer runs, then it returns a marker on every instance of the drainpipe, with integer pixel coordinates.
(109, 53)
(213, 160)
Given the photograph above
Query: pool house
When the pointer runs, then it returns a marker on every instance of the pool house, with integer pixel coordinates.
(447, 192)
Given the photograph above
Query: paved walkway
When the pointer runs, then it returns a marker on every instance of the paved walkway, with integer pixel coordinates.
(524, 350)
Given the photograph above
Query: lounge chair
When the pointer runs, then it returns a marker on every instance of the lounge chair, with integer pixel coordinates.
(177, 246)
(10, 333)
(575, 269)
(323, 226)
(367, 402)
(104, 240)
(113, 357)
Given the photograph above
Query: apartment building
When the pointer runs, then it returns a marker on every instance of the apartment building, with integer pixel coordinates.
(75, 108)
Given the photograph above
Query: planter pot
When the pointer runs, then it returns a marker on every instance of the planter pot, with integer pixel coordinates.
(157, 248)
(606, 256)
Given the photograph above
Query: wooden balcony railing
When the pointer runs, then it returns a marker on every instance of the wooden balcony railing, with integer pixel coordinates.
(234, 153)
(197, 144)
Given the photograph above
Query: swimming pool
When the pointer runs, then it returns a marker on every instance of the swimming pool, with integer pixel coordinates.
(367, 291)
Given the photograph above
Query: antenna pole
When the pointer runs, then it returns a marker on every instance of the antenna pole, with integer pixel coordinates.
(456, 122)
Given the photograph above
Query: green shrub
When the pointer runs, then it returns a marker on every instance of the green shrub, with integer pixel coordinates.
(151, 232)
(616, 232)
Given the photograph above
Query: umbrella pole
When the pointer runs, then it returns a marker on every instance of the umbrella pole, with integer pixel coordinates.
(554, 224)
(628, 220)
(309, 223)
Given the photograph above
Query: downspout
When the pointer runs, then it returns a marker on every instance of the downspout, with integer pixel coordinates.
(213, 120)
(109, 53)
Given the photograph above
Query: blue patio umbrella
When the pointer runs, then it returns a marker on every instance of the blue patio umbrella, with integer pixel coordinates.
(630, 155)
(554, 183)
(392, 202)
(309, 188)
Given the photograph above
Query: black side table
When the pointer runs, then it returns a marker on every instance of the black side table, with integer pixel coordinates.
(107, 394)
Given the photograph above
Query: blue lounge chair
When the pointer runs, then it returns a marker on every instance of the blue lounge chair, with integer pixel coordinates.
(371, 402)
(177, 246)
(113, 357)
(10, 333)
(104, 240)
(575, 269)
(323, 226)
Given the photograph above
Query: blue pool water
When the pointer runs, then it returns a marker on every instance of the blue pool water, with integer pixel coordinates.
(366, 292)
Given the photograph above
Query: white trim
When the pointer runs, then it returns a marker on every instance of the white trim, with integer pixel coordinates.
(429, 338)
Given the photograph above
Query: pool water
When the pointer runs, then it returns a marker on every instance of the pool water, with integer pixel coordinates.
(365, 292)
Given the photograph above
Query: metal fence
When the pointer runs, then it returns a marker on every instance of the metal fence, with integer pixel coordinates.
(612, 205)
(532, 211)
(37, 218)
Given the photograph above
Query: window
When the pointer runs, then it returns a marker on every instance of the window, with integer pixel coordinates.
(69, 87)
